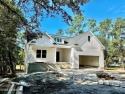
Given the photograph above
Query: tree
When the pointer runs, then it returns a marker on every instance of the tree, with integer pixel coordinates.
(105, 27)
(10, 15)
(76, 25)
(60, 32)
(110, 36)
(92, 25)
(117, 31)
(8, 36)
(39, 8)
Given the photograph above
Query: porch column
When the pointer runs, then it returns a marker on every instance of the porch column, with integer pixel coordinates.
(72, 58)
(54, 55)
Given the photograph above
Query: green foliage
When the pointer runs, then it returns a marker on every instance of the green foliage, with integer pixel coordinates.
(92, 25)
(8, 36)
(77, 25)
(110, 35)
(60, 32)
(104, 27)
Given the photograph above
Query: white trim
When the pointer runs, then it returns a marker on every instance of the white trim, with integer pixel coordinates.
(94, 37)
(98, 40)
(50, 37)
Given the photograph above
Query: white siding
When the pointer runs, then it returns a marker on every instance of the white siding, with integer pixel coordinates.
(50, 55)
(64, 54)
(92, 44)
(44, 41)
(61, 54)
(90, 48)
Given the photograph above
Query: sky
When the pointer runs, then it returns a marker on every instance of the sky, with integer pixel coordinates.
(97, 9)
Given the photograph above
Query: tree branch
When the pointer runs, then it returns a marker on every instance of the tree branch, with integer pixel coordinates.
(13, 11)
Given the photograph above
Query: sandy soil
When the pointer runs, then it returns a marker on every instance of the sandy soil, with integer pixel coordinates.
(73, 82)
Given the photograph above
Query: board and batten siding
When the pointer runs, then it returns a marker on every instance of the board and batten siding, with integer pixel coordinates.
(89, 48)
(44, 43)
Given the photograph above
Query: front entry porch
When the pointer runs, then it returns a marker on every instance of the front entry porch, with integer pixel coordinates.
(57, 58)
(63, 55)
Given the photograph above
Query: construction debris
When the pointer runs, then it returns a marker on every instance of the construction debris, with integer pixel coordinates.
(70, 82)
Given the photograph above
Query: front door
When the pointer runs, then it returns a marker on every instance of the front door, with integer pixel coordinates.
(57, 56)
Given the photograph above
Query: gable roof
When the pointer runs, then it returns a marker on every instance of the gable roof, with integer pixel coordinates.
(50, 37)
(84, 34)
(97, 40)
(74, 40)
(71, 40)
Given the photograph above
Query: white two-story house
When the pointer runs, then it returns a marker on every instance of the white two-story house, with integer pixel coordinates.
(51, 50)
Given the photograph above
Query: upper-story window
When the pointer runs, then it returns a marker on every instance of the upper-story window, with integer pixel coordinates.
(58, 39)
(55, 39)
(89, 38)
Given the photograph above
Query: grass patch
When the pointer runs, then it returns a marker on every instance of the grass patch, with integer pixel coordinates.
(18, 67)
(112, 68)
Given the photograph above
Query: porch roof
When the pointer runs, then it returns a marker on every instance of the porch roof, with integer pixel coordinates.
(56, 46)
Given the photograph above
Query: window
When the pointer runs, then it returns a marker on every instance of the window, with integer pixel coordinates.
(58, 39)
(38, 54)
(88, 38)
(43, 53)
(55, 39)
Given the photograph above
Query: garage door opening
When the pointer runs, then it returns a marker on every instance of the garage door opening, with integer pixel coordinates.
(88, 61)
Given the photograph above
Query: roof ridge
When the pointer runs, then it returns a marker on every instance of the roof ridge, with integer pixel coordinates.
(60, 35)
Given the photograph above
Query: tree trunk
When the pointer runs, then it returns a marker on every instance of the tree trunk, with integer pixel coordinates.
(122, 63)
(12, 67)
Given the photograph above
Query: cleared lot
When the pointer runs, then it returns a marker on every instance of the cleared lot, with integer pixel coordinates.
(83, 81)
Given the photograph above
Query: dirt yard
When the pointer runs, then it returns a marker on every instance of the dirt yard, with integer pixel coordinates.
(74, 82)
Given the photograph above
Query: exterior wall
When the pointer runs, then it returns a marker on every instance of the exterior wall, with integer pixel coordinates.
(61, 54)
(75, 59)
(89, 52)
(93, 44)
(50, 55)
(65, 54)
(44, 41)
(101, 59)
(72, 60)
(90, 48)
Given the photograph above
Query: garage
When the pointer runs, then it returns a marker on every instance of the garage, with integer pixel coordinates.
(92, 61)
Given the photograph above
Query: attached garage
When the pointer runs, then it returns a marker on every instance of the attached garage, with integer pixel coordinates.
(88, 61)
